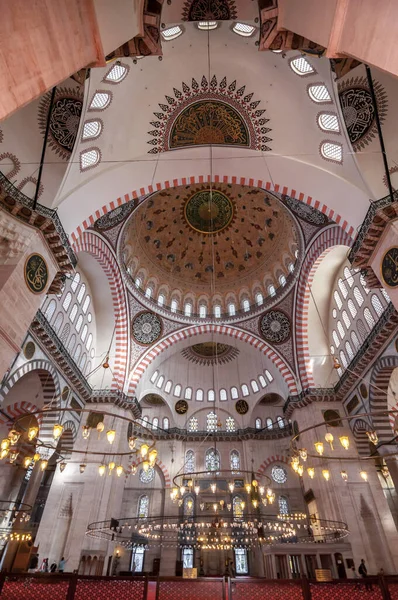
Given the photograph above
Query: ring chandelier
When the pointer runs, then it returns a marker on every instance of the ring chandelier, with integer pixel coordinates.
(13, 516)
(301, 455)
(111, 460)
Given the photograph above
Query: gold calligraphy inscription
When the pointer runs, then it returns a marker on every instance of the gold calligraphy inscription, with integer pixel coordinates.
(36, 273)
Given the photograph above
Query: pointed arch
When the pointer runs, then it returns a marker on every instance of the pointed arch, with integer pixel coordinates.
(379, 382)
(276, 458)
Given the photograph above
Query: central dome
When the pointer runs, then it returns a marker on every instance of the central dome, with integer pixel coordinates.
(210, 245)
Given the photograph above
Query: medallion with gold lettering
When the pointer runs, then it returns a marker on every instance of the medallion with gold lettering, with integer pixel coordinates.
(389, 267)
(241, 407)
(36, 273)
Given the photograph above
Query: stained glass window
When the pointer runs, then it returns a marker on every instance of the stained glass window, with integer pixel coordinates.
(358, 296)
(212, 460)
(67, 301)
(137, 559)
(160, 382)
(79, 323)
(346, 319)
(193, 424)
(281, 422)
(199, 395)
(335, 338)
(258, 423)
(245, 390)
(234, 393)
(211, 422)
(188, 393)
(167, 387)
(58, 322)
(189, 461)
(377, 305)
(230, 424)
(147, 476)
(223, 394)
(352, 308)
(211, 396)
(254, 385)
(177, 390)
(165, 423)
(269, 423)
(268, 376)
(369, 318)
(235, 460)
(343, 359)
(340, 329)
(278, 474)
(155, 423)
(143, 507)
(283, 505)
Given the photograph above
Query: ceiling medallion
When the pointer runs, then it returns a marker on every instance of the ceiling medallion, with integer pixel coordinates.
(147, 328)
(114, 217)
(305, 212)
(358, 110)
(209, 10)
(36, 273)
(241, 407)
(181, 407)
(212, 112)
(275, 327)
(208, 211)
(64, 119)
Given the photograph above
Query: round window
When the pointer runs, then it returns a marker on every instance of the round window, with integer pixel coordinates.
(147, 476)
(279, 474)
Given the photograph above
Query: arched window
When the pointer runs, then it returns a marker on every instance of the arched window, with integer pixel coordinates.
(76, 354)
(234, 459)
(100, 101)
(189, 461)
(332, 151)
(281, 422)
(342, 288)
(301, 66)
(154, 376)
(86, 304)
(145, 421)
(84, 333)
(337, 299)
(245, 390)
(328, 122)
(290, 267)
(148, 292)
(50, 310)
(188, 309)
(361, 329)
(349, 351)
(237, 508)
(262, 381)
(231, 309)
(259, 299)
(91, 130)
(117, 73)
(258, 423)
(346, 319)
(173, 306)
(202, 311)
(187, 557)
(212, 460)
(352, 308)
(89, 317)
(89, 158)
(355, 340)
(160, 382)
(343, 359)
(188, 393)
(269, 423)
(234, 393)
(155, 423)
(82, 362)
(319, 93)
(211, 396)
(79, 323)
(246, 305)
(58, 322)
(199, 395)
(230, 424)
(89, 341)
(81, 293)
(211, 422)
(283, 505)
(143, 507)
(340, 329)
(369, 318)
(67, 301)
(217, 311)
(363, 283)
(386, 296)
(358, 296)
(282, 280)
(223, 394)
(71, 344)
(268, 376)
(64, 334)
(336, 339)
(193, 424)
(165, 422)
(167, 387)
(271, 290)
(161, 299)
(73, 313)
(254, 385)
(377, 305)
(138, 282)
(348, 277)
(75, 282)
(177, 390)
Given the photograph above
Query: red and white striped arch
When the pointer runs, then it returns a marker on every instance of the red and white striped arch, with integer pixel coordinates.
(227, 330)
(95, 245)
(324, 243)
(162, 467)
(276, 458)
(157, 187)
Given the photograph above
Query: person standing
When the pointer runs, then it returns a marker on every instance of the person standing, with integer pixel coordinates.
(61, 565)
(364, 574)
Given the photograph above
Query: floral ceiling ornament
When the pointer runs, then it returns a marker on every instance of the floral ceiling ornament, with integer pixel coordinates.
(275, 327)
(305, 212)
(210, 113)
(114, 217)
(209, 10)
(210, 353)
(64, 119)
(358, 111)
(147, 328)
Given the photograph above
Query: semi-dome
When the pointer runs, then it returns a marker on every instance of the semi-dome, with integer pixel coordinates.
(210, 245)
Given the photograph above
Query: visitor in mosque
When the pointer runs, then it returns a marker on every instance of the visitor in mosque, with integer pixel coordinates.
(199, 298)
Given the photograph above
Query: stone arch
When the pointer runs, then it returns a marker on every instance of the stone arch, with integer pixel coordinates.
(67, 439)
(162, 470)
(323, 244)
(359, 429)
(234, 332)
(276, 458)
(378, 388)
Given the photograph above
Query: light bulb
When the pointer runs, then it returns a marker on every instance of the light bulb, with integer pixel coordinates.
(110, 435)
(254, 483)
(85, 431)
(145, 466)
(326, 474)
(111, 466)
(364, 475)
(13, 456)
(26, 462)
(329, 438)
(43, 464)
(295, 466)
(255, 503)
(373, 437)
(345, 441)
(153, 456)
(57, 431)
(100, 427)
(300, 470)
(144, 450)
(319, 447)
(82, 467)
(222, 503)
(132, 441)
(264, 501)
(189, 504)
(133, 469)
(261, 490)
(269, 492)
(215, 506)
(190, 483)
(101, 470)
(197, 489)
(248, 488)
(344, 475)
(119, 470)
(213, 487)
(32, 433)
(303, 454)
(231, 486)
(3, 453)
(62, 466)
(36, 457)
(311, 472)
(14, 436)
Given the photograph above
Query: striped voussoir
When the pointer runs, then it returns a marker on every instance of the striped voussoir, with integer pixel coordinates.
(149, 356)
(379, 382)
(323, 244)
(68, 438)
(277, 458)
(91, 243)
(359, 429)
